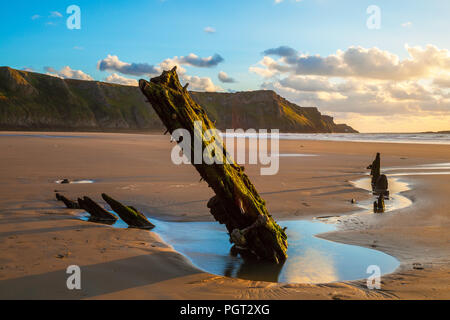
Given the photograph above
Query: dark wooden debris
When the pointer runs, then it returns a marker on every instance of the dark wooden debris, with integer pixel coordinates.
(236, 204)
(130, 215)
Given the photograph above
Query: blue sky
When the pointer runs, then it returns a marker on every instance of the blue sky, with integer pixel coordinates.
(152, 31)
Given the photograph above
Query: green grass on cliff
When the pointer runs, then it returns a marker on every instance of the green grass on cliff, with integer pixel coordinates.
(33, 101)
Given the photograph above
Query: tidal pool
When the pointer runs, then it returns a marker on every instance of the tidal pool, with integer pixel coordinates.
(75, 181)
(311, 259)
(396, 200)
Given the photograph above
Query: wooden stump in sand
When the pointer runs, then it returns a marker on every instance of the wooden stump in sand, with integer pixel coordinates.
(70, 204)
(130, 215)
(379, 206)
(237, 204)
(97, 212)
(382, 185)
(375, 169)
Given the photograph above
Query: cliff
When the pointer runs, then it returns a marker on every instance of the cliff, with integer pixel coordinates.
(33, 101)
(264, 109)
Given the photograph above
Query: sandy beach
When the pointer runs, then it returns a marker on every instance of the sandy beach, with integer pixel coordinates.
(39, 238)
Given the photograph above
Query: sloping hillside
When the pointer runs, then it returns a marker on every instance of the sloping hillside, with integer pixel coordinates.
(33, 101)
(264, 109)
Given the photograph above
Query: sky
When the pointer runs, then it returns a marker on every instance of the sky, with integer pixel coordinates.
(379, 66)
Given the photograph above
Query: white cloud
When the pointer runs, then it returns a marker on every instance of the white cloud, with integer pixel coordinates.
(200, 83)
(209, 30)
(115, 78)
(407, 24)
(363, 83)
(196, 61)
(168, 64)
(68, 73)
(360, 62)
(195, 83)
(268, 68)
(55, 14)
(442, 81)
(35, 17)
(113, 63)
(280, 1)
(223, 77)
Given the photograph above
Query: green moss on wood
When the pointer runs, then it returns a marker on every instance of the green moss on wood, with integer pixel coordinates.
(130, 215)
(237, 203)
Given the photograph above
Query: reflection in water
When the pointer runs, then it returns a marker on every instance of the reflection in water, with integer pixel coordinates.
(434, 166)
(316, 267)
(420, 170)
(397, 186)
(419, 174)
(75, 181)
(311, 259)
(252, 270)
(396, 200)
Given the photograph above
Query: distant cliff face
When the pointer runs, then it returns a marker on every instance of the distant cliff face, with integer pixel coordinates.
(32, 101)
(36, 101)
(264, 109)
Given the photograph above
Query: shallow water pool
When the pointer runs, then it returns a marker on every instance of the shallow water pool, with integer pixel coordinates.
(311, 259)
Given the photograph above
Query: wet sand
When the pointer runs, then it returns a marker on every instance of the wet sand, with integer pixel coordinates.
(39, 239)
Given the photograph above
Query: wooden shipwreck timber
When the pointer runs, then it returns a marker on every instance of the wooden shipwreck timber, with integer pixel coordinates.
(379, 183)
(130, 215)
(236, 204)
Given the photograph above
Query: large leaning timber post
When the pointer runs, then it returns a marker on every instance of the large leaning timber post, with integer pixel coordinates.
(236, 204)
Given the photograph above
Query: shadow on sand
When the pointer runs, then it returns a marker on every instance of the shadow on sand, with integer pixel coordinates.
(98, 279)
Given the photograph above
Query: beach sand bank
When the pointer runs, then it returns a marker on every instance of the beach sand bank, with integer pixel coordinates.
(39, 239)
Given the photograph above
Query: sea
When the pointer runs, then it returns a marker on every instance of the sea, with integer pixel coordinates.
(419, 138)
